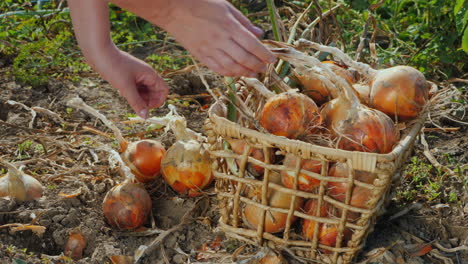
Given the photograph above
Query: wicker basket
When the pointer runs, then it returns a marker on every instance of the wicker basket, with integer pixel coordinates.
(234, 179)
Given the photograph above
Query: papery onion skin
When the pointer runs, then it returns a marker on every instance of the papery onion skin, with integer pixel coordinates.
(305, 182)
(186, 169)
(144, 159)
(127, 206)
(361, 128)
(310, 208)
(22, 187)
(337, 190)
(290, 115)
(400, 91)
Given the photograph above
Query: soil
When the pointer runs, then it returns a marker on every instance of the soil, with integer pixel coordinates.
(65, 158)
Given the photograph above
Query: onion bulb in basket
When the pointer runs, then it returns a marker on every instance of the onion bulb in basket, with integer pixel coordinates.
(327, 233)
(238, 146)
(360, 195)
(290, 114)
(305, 182)
(18, 185)
(143, 156)
(274, 221)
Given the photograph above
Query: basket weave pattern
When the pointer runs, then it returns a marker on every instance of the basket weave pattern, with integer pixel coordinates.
(233, 177)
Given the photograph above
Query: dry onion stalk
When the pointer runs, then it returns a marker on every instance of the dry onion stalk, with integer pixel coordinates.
(142, 156)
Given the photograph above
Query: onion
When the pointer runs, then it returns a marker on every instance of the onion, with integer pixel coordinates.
(76, 243)
(401, 92)
(186, 165)
(290, 114)
(274, 221)
(143, 157)
(337, 190)
(127, 206)
(315, 88)
(328, 233)
(18, 185)
(238, 146)
(305, 182)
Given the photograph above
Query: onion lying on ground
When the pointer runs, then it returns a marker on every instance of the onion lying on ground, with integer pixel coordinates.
(18, 185)
(274, 221)
(360, 195)
(305, 182)
(290, 114)
(76, 243)
(186, 166)
(127, 205)
(238, 146)
(401, 92)
(143, 156)
(315, 88)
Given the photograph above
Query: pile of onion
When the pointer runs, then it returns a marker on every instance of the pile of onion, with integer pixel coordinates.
(142, 156)
(314, 86)
(355, 126)
(305, 182)
(274, 221)
(18, 185)
(401, 92)
(327, 233)
(127, 205)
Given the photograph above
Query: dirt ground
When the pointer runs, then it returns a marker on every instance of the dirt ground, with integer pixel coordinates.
(64, 157)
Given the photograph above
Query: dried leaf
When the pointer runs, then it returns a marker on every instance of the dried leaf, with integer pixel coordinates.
(216, 244)
(121, 259)
(71, 195)
(36, 229)
(417, 250)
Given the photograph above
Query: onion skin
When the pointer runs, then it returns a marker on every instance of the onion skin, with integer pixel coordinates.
(337, 190)
(399, 91)
(317, 90)
(305, 183)
(290, 114)
(310, 208)
(144, 159)
(359, 128)
(127, 206)
(186, 169)
(76, 243)
(238, 145)
(20, 186)
(274, 221)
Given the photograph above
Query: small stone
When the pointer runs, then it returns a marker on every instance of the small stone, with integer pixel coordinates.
(179, 259)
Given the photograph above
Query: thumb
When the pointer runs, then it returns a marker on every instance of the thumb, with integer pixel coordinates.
(138, 104)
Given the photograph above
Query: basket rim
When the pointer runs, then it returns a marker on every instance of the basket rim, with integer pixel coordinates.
(280, 141)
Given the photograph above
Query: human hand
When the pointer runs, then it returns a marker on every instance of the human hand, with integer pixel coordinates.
(214, 31)
(136, 81)
(218, 35)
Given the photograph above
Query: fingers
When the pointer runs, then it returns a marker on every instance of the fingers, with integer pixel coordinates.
(258, 32)
(130, 92)
(243, 57)
(224, 64)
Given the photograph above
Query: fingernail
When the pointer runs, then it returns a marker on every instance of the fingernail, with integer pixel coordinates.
(144, 113)
(257, 30)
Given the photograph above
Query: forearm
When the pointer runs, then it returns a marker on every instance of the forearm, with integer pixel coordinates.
(92, 29)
